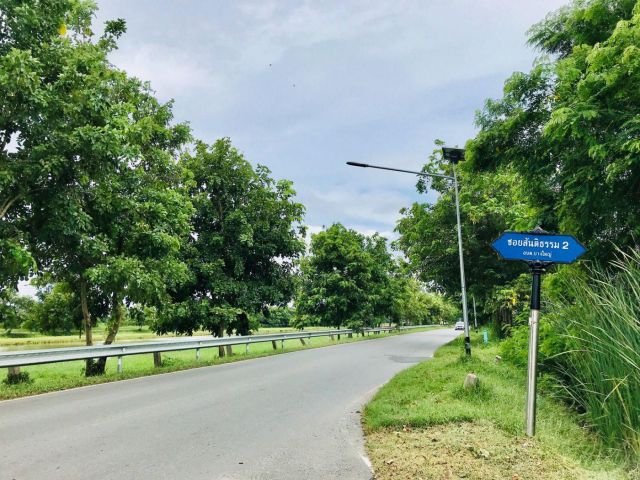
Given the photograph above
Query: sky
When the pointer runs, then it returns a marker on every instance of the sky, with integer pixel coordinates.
(303, 87)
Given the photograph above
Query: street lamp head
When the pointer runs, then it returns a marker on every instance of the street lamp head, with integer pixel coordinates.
(453, 155)
(357, 164)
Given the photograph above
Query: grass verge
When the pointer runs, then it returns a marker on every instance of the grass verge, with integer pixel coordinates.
(65, 375)
(424, 424)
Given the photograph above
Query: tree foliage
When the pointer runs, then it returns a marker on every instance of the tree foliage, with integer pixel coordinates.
(490, 203)
(338, 278)
(57, 311)
(570, 127)
(242, 245)
(15, 310)
(92, 185)
(414, 305)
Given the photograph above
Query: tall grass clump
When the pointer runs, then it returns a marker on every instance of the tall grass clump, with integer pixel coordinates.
(602, 365)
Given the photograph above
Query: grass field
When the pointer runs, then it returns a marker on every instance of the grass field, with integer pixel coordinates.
(60, 376)
(127, 333)
(424, 424)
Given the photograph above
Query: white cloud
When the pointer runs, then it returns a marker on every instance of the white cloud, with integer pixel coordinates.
(171, 71)
(381, 207)
(375, 82)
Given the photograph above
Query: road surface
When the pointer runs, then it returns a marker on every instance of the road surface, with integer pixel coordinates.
(292, 416)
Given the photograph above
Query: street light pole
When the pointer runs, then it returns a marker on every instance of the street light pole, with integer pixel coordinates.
(463, 283)
(454, 155)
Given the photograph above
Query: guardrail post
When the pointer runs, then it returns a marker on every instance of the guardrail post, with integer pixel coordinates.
(273, 344)
(282, 344)
(157, 359)
(309, 339)
(302, 341)
(332, 337)
(350, 335)
(197, 354)
(338, 337)
(246, 349)
(120, 364)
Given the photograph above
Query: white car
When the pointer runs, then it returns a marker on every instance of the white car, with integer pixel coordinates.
(459, 326)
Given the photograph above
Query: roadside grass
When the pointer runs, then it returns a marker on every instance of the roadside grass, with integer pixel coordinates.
(65, 375)
(424, 424)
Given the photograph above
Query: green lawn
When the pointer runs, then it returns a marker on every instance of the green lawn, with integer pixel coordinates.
(424, 424)
(60, 376)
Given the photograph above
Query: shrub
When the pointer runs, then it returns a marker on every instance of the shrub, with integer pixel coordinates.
(551, 344)
(16, 378)
(601, 367)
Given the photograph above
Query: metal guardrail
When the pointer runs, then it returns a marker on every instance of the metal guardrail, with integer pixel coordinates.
(67, 354)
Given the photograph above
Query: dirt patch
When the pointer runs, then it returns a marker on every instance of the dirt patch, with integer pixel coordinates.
(467, 451)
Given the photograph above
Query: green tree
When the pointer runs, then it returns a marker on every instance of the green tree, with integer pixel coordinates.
(245, 237)
(570, 127)
(57, 312)
(344, 280)
(93, 181)
(414, 305)
(490, 203)
(142, 315)
(15, 310)
(277, 317)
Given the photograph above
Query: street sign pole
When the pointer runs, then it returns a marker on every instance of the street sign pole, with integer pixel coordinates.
(537, 268)
(465, 316)
(540, 249)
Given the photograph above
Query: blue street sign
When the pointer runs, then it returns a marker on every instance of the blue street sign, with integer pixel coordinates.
(534, 247)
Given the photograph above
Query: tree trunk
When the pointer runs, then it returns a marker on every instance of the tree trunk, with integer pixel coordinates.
(220, 334)
(113, 326)
(86, 315)
(89, 368)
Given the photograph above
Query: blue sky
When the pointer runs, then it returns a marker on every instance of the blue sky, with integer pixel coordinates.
(303, 87)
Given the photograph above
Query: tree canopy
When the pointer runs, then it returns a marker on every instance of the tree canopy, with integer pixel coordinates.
(570, 127)
(351, 280)
(245, 235)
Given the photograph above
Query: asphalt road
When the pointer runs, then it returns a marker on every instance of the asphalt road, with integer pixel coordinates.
(292, 416)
